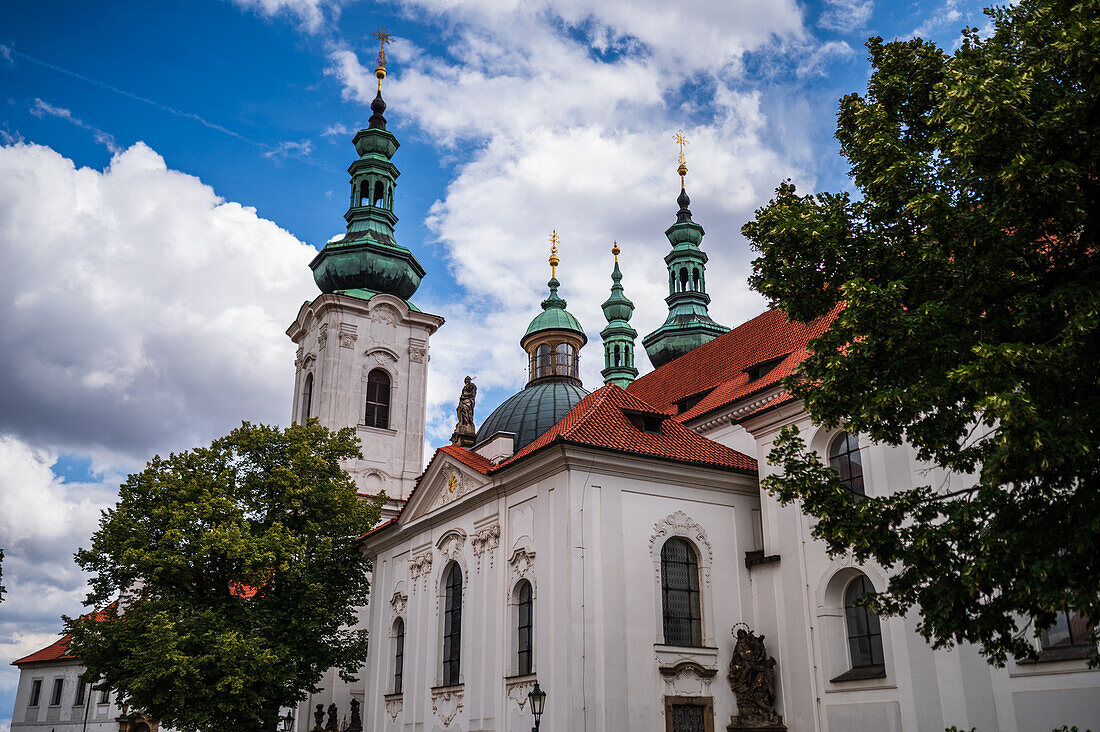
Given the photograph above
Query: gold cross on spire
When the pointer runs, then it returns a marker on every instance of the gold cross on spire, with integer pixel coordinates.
(383, 38)
(683, 169)
(554, 254)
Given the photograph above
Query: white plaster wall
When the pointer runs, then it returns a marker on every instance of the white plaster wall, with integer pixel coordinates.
(924, 690)
(596, 598)
(67, 715)
(340, 340)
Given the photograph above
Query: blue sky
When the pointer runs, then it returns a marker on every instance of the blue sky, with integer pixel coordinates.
(167, 170)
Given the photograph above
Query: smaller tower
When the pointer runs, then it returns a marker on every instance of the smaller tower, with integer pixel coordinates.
(554, 338)
(618, 337)
(688, 324)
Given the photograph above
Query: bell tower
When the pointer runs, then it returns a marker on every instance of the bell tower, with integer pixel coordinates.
(618, 337)
(362, 355)
(688, 324)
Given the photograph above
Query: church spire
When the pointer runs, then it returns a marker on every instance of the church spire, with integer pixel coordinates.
(688, 325)
(554, 338)
(368, 260)
(618, 337)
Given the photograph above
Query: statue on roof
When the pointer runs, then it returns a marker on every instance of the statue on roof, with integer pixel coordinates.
(464, 430)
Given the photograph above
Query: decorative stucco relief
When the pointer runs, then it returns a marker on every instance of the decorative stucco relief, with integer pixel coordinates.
(383, 324)
(420, 566)
(322, 335)
(485, 541)
(398, 603)
(519, 690)
(522, 561)
(299, 358)
(453, 485)
(687, 679)
(418, 352)
(447, 703)
(348, 334)
(393, 706)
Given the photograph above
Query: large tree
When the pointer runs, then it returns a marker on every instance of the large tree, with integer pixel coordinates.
(967, 270)
(230, 579)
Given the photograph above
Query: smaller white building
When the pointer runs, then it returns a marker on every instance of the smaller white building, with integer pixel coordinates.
(53, 696)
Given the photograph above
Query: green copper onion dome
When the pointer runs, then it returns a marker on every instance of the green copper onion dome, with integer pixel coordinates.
(553, 342)
(554, 316)
(368, 257)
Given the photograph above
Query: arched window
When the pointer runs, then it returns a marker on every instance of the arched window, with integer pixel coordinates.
(379, 193)
(564, 360)
(844, 458)
(542, 361)
(524, 625)
(864, 631)
(452, 625)
(695, 279)
(307, 398)
(364, 193)
(618, 355)
(680, 594)
(683, 279)
(378, 399)
(398, 654)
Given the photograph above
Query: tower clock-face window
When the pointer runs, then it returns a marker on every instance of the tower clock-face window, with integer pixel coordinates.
(378, 399)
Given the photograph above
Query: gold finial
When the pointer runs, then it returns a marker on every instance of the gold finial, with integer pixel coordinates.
(383, 38)
(554, 254)
(615, 250)
(683, 169)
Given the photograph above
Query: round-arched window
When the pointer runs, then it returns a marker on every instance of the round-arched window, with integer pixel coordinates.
(683, 624)
(845, 459)
(864, 630)
(378, 399)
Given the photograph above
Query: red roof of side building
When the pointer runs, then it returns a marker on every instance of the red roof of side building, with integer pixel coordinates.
(722, 365)
(56, 651)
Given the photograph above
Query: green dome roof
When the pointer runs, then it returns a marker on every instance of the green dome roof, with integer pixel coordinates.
(554, 316)
(533, 411)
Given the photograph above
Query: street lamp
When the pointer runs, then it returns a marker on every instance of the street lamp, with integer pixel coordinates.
(538, 702)
(288, 721)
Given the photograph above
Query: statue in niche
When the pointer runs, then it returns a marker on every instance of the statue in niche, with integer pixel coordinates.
(752, 678)
(464, 431)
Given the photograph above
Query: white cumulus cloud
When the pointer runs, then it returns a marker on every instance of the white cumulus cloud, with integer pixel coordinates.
(139, 311)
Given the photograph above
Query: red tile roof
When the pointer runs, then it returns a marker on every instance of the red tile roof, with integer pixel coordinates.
(599, 420)
(721, 365)
(469, 458)
(56, 651)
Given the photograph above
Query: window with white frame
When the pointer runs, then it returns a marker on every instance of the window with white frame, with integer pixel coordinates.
(680, 597)
(845, 459)
(525, 648)
(864, 630)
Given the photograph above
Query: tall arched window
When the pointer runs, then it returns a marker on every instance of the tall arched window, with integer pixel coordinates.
(307, 398)
(695, 280)
(844, 458)
(524, 625)
(364, 193)
(680, 594)
(452, 625)
(864, 631)
(378, 399)
(683, 279)
(398, 654)
(379, 193)
(618, 355)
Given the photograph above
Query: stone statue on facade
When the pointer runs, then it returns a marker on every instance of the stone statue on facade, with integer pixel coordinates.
(319, 718)
(752, 678)
(464, 431)
(356, 724)
(331, 725)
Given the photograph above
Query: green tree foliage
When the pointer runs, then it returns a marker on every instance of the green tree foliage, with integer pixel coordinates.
(969, 271)
(237, 577)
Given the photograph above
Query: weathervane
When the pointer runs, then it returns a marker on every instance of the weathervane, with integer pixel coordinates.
(683, 169)
(383, 38)
(554, 254)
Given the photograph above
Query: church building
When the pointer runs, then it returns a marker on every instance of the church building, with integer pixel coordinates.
(612, 544)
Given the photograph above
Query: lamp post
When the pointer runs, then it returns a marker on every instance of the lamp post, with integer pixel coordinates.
(288, 721)
(538, 703)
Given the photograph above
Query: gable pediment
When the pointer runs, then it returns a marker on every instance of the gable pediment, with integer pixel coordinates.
(445, 481)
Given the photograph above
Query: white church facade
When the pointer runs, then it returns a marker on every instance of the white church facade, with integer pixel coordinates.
(607, 544)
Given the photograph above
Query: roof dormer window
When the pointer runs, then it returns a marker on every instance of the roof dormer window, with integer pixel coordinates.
(645, 421)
